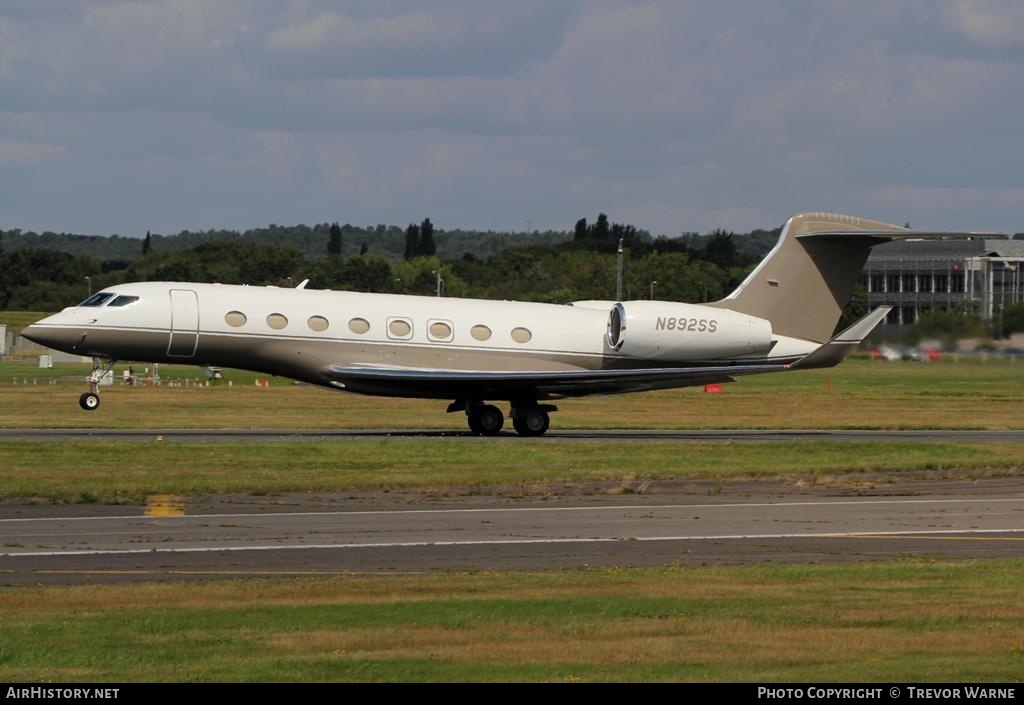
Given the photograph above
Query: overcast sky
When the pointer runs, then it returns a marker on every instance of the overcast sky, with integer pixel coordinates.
(674, 116)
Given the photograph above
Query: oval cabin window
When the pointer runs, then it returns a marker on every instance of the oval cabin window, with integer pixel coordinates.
(439, 330)
(359, 325)
(277, 321)
(521, 335)
(235, 319)
(480, 332)
(317, 323)
(399, 328)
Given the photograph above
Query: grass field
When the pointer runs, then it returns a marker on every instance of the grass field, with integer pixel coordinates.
(119, 472)
(899, 621)
(908, 621)
(857, 394)
(16, 320)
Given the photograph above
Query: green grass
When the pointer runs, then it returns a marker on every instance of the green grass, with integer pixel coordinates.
(110, 471)
(16, 320)
(904, 621)
(857, 394)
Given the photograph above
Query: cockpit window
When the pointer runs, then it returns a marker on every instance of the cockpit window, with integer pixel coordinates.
(97, 299)
(123, 300)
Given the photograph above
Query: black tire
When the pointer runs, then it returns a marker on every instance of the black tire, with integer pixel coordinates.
(90, 401)
(491, 420)
(474, 423)
(533, 423)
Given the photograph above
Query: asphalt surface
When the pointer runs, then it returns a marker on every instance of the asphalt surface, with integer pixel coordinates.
(672, 523)
(716, 435)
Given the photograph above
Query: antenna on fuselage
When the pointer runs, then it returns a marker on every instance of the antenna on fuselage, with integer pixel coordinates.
(302, 284)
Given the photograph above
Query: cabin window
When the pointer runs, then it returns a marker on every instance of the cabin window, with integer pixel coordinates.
(399, 328)
(277, 321)
(235, 319)
(480, 332)
(97, 299)
(440, 331)
(317, 323)
(359, 325)
(123, 300)
(521, 335)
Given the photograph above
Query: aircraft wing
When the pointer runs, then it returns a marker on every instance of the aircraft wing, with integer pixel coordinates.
(479, 384)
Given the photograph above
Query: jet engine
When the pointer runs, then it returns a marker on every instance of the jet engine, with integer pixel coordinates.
(676, 332)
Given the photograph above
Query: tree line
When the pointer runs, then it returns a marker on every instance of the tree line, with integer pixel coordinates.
(551, 267)
(49, 271)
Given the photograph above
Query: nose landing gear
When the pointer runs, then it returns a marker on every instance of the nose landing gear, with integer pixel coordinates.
(90, 400)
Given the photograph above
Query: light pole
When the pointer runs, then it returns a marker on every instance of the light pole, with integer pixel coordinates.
(618, 275)
(652, 289)
(440, 281)
(88, 281)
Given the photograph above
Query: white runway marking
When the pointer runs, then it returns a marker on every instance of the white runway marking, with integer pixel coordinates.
(502, 542)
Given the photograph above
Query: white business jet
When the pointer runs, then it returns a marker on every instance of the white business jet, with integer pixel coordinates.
(471, 351)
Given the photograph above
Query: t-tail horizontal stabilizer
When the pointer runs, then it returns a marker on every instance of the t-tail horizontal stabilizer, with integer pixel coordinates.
(835, 351)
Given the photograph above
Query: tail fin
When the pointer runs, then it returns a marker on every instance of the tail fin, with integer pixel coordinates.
(806, 280)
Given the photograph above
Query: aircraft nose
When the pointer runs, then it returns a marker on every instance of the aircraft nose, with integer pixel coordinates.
(57, 337)
(37, 334)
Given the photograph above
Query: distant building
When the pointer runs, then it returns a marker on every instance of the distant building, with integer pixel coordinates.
(915, 276)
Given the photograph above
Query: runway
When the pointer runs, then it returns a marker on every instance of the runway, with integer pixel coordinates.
(705, 436)
(347, 533)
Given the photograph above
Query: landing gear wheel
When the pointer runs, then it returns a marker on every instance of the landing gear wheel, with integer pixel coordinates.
(534, 422)
(489, 419)
(474, 424)
(90, 400)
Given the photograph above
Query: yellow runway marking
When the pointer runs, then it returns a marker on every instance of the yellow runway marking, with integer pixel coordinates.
(165, 505)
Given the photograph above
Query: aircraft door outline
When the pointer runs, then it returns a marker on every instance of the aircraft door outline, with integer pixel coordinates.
(184, 338)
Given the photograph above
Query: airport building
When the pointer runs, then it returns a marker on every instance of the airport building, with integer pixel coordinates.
(916, 276)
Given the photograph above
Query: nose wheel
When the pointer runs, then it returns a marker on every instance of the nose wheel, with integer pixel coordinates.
(90, 401)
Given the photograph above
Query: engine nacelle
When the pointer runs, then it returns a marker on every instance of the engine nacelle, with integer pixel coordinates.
(675, 332)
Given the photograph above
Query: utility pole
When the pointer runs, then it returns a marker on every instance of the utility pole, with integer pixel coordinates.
(618, 277)
(440, 282)
(652, 290)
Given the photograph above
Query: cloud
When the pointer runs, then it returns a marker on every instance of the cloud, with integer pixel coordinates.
(21, 154)
(995, 24)
(676, 116)
(331, 31)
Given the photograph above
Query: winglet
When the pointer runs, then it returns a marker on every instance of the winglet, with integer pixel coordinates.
(835, 351)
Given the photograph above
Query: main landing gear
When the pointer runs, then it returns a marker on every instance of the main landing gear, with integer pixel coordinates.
(528, 419)
(90, 401)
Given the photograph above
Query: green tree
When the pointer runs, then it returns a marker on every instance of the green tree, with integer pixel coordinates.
(580, 233)
(721, 249)
(146, 244)
(600, 232)
(949, 326)
(426, 246)
(412, 241)
(334, 243)
(1012, 320)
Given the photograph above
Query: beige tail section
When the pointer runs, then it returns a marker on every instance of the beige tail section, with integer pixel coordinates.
(806, 280)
